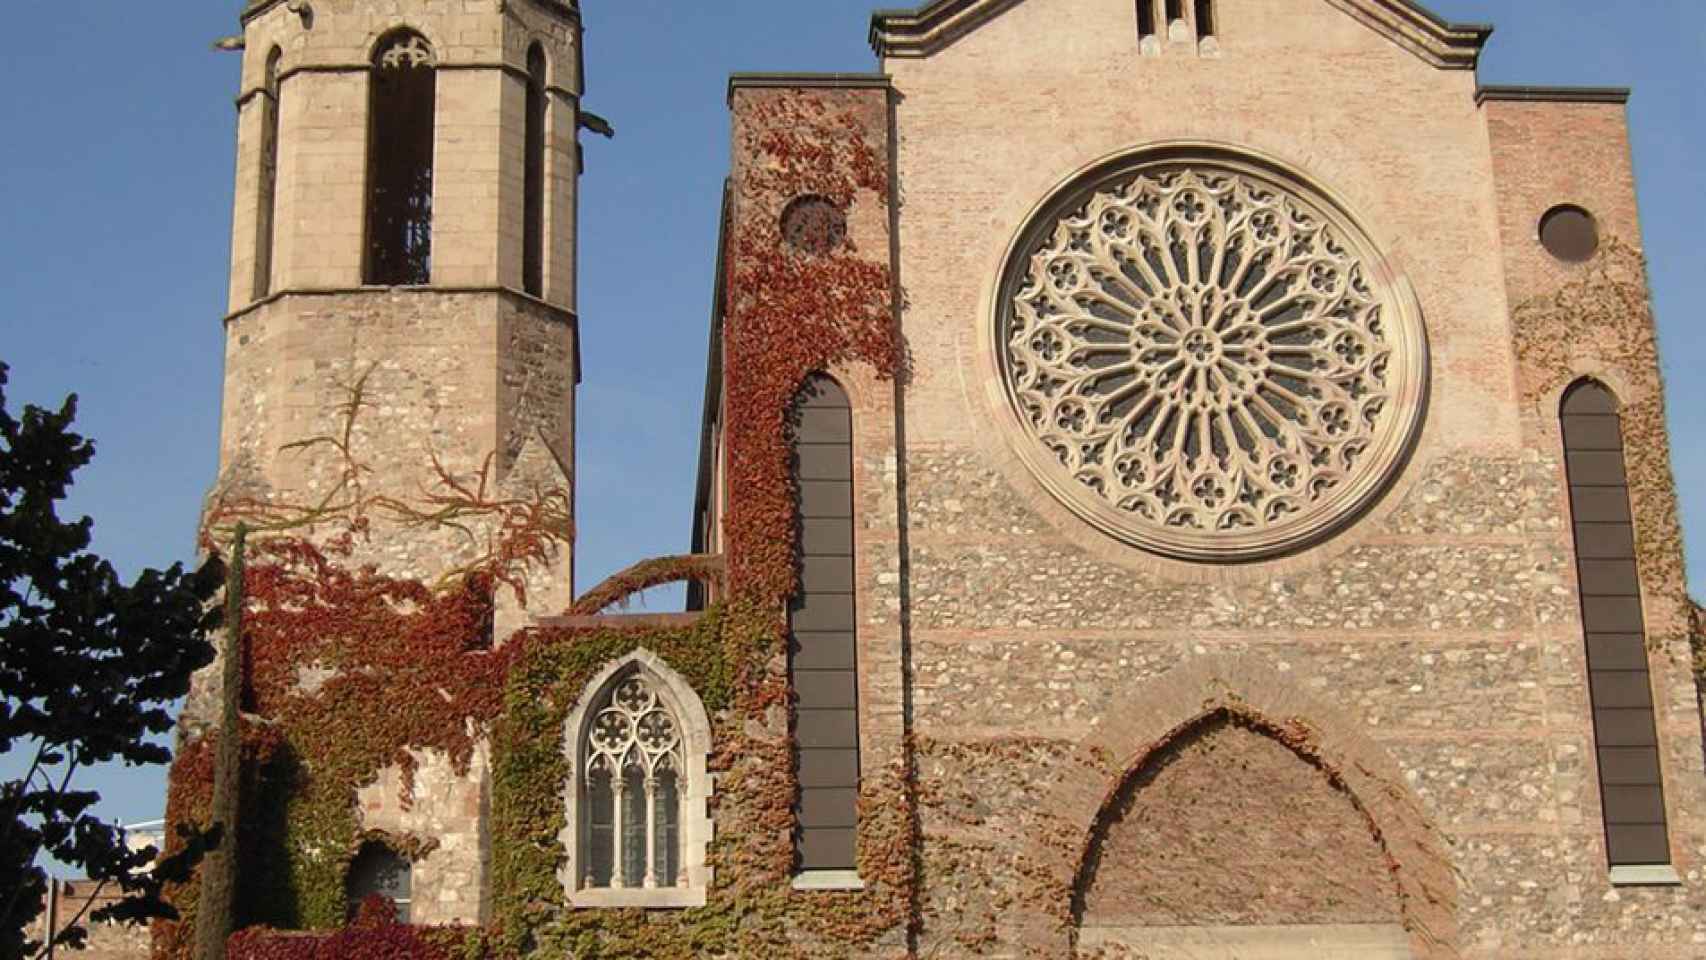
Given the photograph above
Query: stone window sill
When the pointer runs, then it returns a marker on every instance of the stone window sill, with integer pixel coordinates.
(1660, 875)
(828, 880)
(674, 898)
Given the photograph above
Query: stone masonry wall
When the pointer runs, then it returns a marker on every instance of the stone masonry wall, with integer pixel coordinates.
(445, 813)
(1308, 856)
(482, 48)
(1431, 651)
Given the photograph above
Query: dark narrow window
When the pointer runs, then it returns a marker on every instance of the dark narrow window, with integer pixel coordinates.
(533, 217)
(401, 112)
(1619, 686)
(1175, 10)
(267, 177)
(1205, 18)
(601, 830)
(822, 661)
(666, 818)
(379, 871)
(1145, 18)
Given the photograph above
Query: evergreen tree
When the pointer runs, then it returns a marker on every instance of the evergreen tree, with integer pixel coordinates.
(90, 668)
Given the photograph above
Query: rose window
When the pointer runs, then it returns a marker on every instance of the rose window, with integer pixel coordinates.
(1209, 358)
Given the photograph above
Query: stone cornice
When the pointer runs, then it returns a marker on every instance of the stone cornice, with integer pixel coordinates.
(922, 31)
(1528, 94)
(567, 9)
(554, 311)
(830, 81)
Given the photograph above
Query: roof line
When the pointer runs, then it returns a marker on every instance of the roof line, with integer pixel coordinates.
(923, 30)
(568, 9)
(834, 81)
(712, 401)
(1551, 94)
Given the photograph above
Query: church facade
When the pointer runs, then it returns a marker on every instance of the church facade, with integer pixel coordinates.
(1179, 479)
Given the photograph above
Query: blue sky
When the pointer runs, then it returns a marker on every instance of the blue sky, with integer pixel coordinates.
(115, 190)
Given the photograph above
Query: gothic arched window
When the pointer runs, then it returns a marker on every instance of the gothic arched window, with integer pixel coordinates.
(1607, 576)
(402, 107)
(638, 821)
(823, 664)
(533, 213)
(267, 177)
(380, 871)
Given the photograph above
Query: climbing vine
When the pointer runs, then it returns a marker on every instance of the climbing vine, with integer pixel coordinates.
(351, 671)
(1602, 317)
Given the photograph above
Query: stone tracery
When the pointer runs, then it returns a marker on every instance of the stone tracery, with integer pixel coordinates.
(634, 762)
(1212, 355)
(406, 50)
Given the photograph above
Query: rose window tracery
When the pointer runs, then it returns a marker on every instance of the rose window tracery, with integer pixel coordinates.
(1209, 358)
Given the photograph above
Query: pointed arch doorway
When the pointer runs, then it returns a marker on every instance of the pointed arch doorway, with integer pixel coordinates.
(1242, 820)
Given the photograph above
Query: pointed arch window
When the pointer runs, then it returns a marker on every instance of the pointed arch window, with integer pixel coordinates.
(377, 870)
(823, 654)
(638, 820)
(267, 178)
(402, 111)
(1620, 686)
(533, 213)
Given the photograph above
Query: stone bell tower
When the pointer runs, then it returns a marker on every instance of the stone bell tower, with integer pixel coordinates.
(405, 225)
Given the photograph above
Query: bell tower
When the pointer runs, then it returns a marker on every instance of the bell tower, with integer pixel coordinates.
(405, 232)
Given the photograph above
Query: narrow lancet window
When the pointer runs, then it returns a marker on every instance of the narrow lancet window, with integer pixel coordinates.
(1145, 19)
(822, 661)
(533, 216)
(402, 109)
(267, 177)
(1205, 19)
(1620, 687)
(1175, 11)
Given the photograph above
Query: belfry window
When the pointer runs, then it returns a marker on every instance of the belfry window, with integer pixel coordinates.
(533, 215)
(822, 662)
(1205, 19)
(380, 871)
(267, 177)
(402, 109)
(1145, 19)
(1620, 686)
(638, 817)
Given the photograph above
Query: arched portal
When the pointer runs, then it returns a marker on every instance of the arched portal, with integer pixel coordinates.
(1223, 780)
(1227, 842)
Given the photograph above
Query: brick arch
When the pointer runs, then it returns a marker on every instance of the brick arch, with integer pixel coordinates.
(1250, 691)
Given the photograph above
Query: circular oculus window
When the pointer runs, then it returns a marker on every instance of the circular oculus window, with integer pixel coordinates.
(1569, 233)
(813, 224)
(1207, 357)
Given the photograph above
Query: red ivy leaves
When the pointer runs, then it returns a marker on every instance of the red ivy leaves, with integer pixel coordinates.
(358, 668)
(792, 314)
(701, 568)
(375, 934)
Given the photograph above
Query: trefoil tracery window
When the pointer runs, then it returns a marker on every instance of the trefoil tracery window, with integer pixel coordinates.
(633, 762)
(637, 798)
